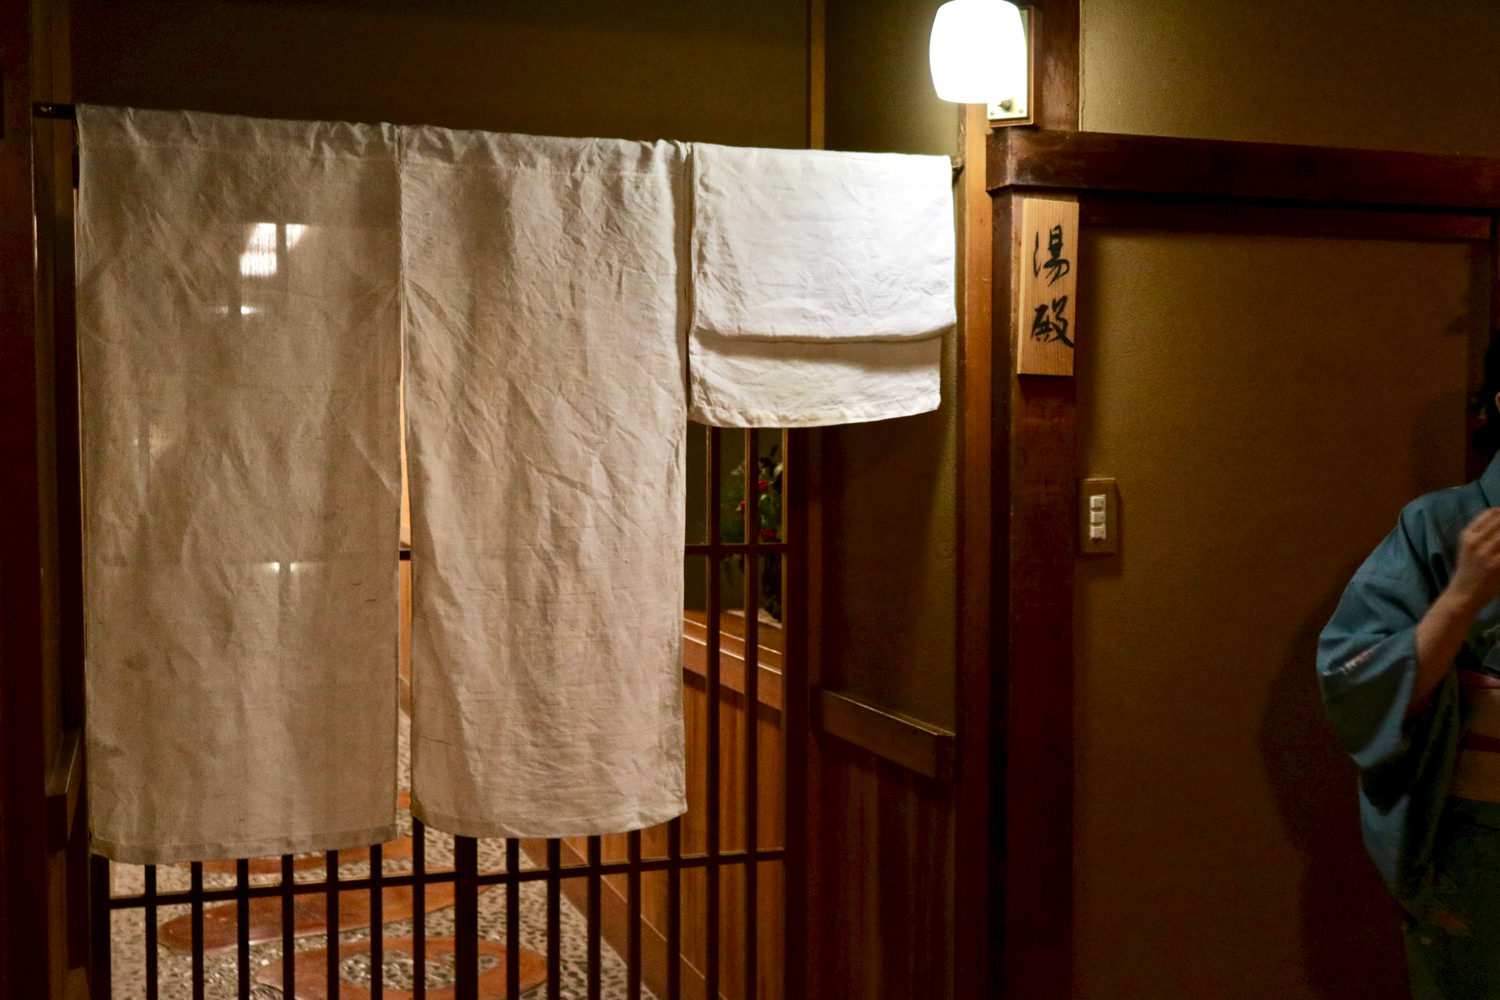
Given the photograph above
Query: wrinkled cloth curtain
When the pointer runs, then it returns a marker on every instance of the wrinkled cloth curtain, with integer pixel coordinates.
(243, 286)
(546, 414)
(238, 305)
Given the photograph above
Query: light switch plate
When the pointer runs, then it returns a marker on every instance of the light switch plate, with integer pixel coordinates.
(1098, 495)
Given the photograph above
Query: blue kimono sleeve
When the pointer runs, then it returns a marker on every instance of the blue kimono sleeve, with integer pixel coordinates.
(1367, 668)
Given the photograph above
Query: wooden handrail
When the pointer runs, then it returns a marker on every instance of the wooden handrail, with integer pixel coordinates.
(916, 745)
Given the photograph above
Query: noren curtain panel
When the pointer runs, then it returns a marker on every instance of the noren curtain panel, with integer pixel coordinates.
(248, 292)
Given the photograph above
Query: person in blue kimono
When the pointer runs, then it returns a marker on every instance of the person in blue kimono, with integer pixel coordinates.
(1405, 668)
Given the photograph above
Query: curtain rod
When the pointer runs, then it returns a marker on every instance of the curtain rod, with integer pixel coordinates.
(44, 109)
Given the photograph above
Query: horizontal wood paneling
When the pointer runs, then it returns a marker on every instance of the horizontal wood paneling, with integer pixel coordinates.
(887, 869)
(770, 690)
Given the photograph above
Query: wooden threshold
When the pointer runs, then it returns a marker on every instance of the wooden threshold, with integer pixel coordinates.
(1220, 169)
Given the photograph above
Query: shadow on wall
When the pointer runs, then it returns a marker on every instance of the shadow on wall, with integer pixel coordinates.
(1351, 926)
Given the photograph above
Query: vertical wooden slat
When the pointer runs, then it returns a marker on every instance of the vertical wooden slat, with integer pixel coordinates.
(816, 73)
(512, 918)
(152, 974)
(419, 909)
(332, 896)
(752, 735)
(466, 918)
(674, 904)
(1038, 718)
(288, 927)
(1032, 630)
(242, 926)
(195, 903)
(801, 622)
(595, 884)
(554, 920)
(715, 620)
(633, 908)
(974, 945)
(377, 922)
(28, 624)
(97, 925)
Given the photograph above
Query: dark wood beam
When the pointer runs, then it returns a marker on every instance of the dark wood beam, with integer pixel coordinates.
(1155, 212)
(1240, 171)
(1057, 64)
(1031, 480)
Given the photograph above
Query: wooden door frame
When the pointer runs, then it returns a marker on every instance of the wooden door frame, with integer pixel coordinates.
(1012, 929)
(44, 867)
(1162, 183)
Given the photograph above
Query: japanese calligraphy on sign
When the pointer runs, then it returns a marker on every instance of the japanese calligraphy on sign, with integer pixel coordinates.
(1047, 268)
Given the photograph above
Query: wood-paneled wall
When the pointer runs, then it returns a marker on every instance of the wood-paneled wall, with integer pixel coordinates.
(887, 879)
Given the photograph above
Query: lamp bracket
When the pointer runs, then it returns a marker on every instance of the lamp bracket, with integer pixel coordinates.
(1019, 109)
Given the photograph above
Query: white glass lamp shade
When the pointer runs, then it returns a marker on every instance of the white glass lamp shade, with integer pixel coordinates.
(978, 52)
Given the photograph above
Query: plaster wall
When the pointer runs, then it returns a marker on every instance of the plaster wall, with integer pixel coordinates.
(1267, 404)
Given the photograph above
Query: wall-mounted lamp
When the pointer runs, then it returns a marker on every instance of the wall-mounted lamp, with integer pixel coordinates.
(980, 53)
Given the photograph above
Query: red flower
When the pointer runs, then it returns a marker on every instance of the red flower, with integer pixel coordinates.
(761, 485)
(768, 534)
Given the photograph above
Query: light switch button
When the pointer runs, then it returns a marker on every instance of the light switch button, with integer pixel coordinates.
(1098, 516)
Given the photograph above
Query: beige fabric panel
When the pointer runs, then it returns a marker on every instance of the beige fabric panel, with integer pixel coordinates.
(239, 358)
(546, 408)
(1267, 405)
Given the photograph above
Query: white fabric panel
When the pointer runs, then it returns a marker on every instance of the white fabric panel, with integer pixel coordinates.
(239, 353)
(822, 285)
(546, 412)
(758, 383)
(807, 245)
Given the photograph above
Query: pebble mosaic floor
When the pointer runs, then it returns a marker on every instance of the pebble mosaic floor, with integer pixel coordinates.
(127, 932)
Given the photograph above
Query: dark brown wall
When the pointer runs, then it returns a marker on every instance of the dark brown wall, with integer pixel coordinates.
(702, 70)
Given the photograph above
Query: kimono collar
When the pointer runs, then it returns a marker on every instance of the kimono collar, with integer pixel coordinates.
(1489, 482)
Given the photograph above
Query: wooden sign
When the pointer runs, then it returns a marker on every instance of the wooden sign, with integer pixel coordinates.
(1046, 263)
